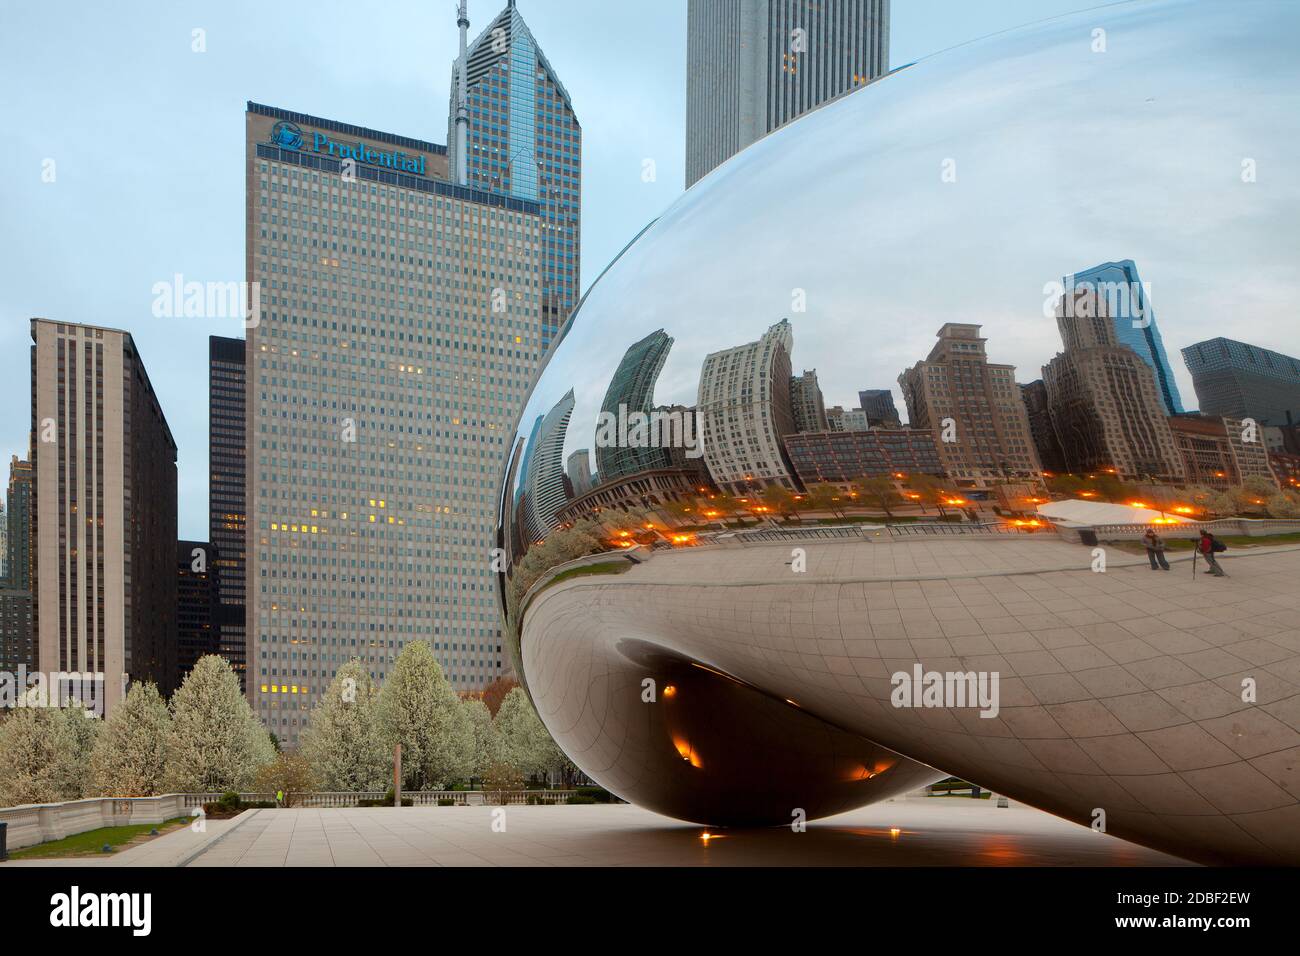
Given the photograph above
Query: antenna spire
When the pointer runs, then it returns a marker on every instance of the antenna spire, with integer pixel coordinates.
(462, 98)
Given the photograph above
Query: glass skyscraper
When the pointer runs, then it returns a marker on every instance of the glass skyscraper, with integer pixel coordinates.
(525, 141)
(1236, 380)
(1134, 320)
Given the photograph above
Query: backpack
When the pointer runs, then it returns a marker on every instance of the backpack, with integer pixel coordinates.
(1216, 545)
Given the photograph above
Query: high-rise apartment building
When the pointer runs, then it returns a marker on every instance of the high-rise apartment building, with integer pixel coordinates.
(103, 510)
(227, 400)
(1041, 426)
(807, 403)
(744, 412)
(1104, 399)
(1133, 319)
(544, 470)
(1236, 380)
(400, 328)
(17, 640)
(755, 65)
(878, 403)
(973, 408)
(631, 393)
(524, 140)
(1215, 454)
(844, 457)
(578, 469)
(198, 605)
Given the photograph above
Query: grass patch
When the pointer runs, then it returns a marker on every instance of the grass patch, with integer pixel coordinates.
(1183, 542)
(92, 842)
(604, 567)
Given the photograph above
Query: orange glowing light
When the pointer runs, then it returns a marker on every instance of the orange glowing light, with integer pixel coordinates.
(670, 690)
(1183, 510)
(1137, 504)
(686, 753)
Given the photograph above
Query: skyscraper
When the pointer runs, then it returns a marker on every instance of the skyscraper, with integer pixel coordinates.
(17, 640)
(227, 475)
(1104, 400)
(973, 408)
(544, 470)
(400, 327)
(198, 603)
(103, 510)
(744, 412)
(755, 65)
(878, 403)
(524, 140)
(1041, 426)
(578, 468)
(1236, 380)
(1134, 320)
(807, 403)
(631, 390)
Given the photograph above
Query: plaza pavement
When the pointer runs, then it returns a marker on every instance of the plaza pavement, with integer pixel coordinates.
(935, 831)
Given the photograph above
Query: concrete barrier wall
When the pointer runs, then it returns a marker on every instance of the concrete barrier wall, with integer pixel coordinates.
(41, 822)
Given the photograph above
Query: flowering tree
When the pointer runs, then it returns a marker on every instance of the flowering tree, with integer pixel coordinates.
(522, 738)
(419, 710)
(485, 740)
(130, 756)
(215, 743)
(343, 742)
(43, 753)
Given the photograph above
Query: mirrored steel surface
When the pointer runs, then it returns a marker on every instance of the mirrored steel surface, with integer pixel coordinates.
(953, 190)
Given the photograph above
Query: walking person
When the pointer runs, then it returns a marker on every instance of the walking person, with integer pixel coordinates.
(1209, 545)
(1155, 546)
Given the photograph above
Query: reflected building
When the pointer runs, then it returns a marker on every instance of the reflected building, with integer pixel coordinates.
(1133, 319)
(878, 404)
(744, 413)
(1104, 399)
(1237, 380)
(755, 65)
(630, 395)
(807, 404)
(843, 457)
(1041, 427)
(578, 470)
(544, 470)
(1214, 452)
(973, 408)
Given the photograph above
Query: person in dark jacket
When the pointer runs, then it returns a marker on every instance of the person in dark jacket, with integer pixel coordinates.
(1155, 546)
(1206, 546)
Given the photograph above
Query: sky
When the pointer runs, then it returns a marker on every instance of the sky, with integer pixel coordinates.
(144, 135)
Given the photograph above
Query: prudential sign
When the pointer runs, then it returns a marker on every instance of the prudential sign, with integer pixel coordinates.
(288, 135)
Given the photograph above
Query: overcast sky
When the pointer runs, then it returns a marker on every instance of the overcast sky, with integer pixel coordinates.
(147, 139)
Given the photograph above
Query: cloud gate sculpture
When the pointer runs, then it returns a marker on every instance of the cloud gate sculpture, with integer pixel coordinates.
(702, 659)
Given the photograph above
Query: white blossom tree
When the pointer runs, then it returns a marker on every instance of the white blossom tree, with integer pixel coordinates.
(522, 738)
(216, 743)
(419, 710)
(43, 754)
(130, 756)
(485, 738)
(343, 741)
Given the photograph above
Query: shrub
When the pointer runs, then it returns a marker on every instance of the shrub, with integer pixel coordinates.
(597, 794)
(578, 798)
(446, 802)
